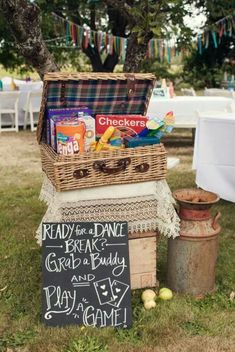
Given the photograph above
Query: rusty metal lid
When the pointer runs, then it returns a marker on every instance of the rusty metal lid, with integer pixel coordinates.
(195, 198)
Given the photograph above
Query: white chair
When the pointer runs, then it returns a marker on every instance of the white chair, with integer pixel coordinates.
(32, 107)
(219, 92)
(188, 91)
(172, 162)
(231, 107)
(9, 105)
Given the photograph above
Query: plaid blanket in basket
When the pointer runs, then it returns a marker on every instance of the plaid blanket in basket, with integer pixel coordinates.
(102, 96)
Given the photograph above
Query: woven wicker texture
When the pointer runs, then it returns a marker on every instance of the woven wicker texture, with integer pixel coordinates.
(61, 170)
(57, 76)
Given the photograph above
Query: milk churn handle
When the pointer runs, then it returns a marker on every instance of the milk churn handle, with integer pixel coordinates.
(215, 224)
(176, 209)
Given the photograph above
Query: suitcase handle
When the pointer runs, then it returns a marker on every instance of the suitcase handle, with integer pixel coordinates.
(121, 166)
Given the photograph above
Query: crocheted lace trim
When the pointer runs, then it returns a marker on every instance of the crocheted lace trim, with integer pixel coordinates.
(153, 212)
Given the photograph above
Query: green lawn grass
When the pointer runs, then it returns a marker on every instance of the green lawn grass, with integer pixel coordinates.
(182, 324)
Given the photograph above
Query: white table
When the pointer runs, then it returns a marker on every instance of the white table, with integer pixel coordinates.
(24, 88)
(185, 108)
(214, 154)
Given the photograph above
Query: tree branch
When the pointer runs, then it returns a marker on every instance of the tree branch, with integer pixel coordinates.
(24, 21)
(94, 56)
(123, 8)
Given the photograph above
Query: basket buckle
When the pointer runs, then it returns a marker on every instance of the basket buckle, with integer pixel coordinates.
(80, 173)
(131, 85)
(142, 167)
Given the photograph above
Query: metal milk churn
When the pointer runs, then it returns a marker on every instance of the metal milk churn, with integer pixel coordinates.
(191, 257)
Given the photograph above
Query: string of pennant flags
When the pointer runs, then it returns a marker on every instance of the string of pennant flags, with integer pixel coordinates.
(225, 27)
(162, 49)
(80, 36)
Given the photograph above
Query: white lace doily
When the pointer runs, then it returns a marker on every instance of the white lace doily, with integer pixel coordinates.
(152, 210)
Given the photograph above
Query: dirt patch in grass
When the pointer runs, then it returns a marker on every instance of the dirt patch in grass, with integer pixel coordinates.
(19, 159)
(194, 344)
(19, 150)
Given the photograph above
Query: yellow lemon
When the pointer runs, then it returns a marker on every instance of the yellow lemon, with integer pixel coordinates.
(149, 304)
(165, 294)
(162, 289)
(148, 295)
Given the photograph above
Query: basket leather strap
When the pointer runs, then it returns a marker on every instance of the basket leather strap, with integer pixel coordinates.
(62, 94)
(131, 85)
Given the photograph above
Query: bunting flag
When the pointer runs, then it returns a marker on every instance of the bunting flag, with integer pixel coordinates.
(221, 28)
(214, 39)
(161, 49)
(207, 39)
(82, 37)
(199, 43)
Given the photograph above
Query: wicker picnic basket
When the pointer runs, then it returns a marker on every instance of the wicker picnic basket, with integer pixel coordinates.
(103, 93)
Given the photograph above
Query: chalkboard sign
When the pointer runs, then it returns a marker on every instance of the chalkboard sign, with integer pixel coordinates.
(86, 277)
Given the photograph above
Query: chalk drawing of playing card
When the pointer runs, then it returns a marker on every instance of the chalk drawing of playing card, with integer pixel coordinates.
(119, 291)
(104, 291)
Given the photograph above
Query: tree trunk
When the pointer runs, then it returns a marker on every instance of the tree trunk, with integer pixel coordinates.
(136, 52)
(24, 21)
(118, 24)
(96, 62)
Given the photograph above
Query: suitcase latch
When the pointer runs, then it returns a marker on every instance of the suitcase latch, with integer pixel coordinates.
(80, 173)
(131, 84)
(142, 167)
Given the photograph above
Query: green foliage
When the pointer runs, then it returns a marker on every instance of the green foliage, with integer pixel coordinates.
(207, 69)
(87, 344)
(146, 18)
(160, 69)
(193, 328)
(218, 9)
(17, 339)
(162, 18)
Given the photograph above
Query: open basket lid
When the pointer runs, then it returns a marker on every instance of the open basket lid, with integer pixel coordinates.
(103, 93)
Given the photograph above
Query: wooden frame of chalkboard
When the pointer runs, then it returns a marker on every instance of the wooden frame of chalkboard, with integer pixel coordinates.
(86, 274)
